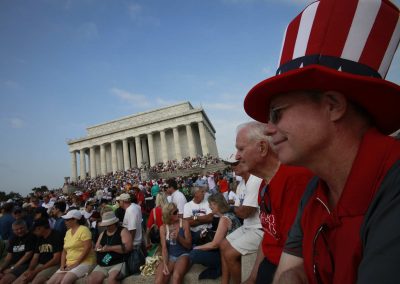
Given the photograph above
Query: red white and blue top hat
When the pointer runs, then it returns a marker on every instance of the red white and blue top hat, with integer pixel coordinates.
(341, 45)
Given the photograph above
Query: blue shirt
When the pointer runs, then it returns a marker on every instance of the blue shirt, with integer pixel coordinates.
(6, 222)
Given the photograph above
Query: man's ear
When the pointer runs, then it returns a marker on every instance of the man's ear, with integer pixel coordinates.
(263, 148)
(337, 104)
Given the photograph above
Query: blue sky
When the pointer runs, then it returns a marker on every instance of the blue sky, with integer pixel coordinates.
(69, 64)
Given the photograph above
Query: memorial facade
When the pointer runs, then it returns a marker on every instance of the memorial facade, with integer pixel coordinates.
(169, 133)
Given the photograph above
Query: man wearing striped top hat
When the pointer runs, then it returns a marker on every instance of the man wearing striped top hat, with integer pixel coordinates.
(330, 109)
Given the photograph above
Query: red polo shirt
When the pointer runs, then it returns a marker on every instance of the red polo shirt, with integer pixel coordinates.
(284, 191)
(337, 249)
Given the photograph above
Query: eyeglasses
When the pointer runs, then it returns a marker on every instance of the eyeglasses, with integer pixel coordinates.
(175, 212)
(320, 232)
(275, 113)
(265, 206)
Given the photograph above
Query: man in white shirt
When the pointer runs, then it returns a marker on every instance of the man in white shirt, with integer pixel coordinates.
(132, 219)
(245, 239)
(177, 197)
(198, 213)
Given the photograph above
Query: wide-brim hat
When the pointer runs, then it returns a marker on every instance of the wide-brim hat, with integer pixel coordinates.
(338, 45)
(231, 160)
(108, 219)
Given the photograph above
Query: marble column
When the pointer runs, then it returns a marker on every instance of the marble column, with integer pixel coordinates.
(138, 152)
(133, 154)
(82, 163)
(92, 160)
(74, 169)
(103, 165)
(178, 154)
(145, 152)
(114, 161)
(203, 139)
(151, 149)
(164, 153)
(192, 149)
(125, 151)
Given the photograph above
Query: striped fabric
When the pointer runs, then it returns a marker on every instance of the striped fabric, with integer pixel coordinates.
(361, 32)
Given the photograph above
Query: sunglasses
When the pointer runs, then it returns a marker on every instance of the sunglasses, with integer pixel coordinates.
(175, 212)
(320, 234)
(275, 113)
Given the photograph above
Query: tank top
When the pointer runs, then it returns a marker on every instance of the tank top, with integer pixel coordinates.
(110, 258)
(235, 223)
(177, 249)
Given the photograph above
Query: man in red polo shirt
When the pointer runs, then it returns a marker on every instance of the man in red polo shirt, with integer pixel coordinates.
(278, 198)
(330, 110)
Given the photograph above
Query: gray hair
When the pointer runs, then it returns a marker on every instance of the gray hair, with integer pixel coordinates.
(255, 131)
(197, 188)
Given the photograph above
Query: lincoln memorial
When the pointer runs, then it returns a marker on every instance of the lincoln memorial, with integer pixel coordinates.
(169, 133)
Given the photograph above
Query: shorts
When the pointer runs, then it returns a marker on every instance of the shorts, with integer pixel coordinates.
(175, 258)
(245, 240)
(18, 270)
(48, 272)
(80, 270)
(121, 267)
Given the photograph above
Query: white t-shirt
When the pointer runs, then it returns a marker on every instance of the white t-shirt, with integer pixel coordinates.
(248, 195)
(179, 199)
(194, 209)
(233, 196)
(133, 221)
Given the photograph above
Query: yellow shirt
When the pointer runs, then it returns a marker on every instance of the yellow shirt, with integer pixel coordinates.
(73, 245)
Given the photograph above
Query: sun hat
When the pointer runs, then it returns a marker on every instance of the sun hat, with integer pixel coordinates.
(231, 160)
(338, 45)
(108, 219)
(73, 214)
(124, 197)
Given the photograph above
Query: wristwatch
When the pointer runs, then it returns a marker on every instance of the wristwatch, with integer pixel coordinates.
(195, 217)
(12, 267)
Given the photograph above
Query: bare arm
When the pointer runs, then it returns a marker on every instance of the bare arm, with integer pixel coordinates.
(164, 250)
(245, 211)
(6, 262)
(199, 220)
(52, 262)
(133, 234)
(63, 259)
(185, 241)
(25, 258)
(34, 261)
(126, 243)
(220, 234)
(290, 270)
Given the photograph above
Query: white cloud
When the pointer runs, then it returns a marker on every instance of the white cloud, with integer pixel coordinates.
(134, 10)
(16, 122)
(12, 85)
(136, 13)
(131, 98)
(88, 31)
(162, 102)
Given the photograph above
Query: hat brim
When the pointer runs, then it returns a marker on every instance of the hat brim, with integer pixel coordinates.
(109, 222)
(380, 98)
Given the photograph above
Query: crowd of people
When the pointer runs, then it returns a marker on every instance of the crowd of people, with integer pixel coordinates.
(87, 221)
(186, 163)
(314, 189)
